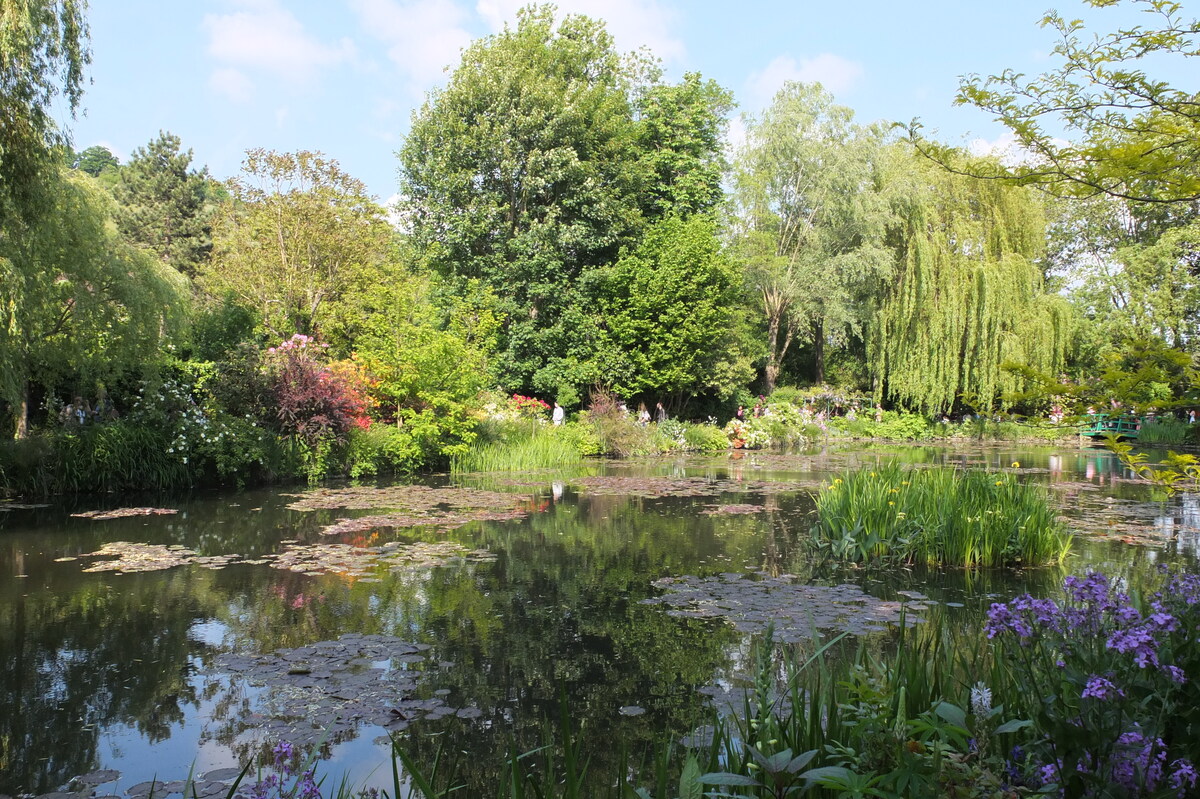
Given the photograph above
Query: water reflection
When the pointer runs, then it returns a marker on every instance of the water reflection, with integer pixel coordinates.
(110, 670)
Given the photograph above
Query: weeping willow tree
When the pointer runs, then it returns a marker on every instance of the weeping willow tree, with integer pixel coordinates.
(968, 294)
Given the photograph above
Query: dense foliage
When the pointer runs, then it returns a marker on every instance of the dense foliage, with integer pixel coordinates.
(564, 234)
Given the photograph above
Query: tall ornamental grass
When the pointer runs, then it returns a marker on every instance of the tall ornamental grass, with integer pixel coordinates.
(543, 449)
(938, 517)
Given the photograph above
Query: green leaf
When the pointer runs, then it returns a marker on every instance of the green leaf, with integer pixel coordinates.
(800, 761)
(725, 778)
(689, 780)
(951, 713)
(1013, 725)
(827, 775)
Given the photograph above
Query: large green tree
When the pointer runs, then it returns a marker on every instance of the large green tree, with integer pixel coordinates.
(292, 238)
(667, 314)
(92, 304)
(545, 154)
(812, 214)
(43, 55)
(680, 132)
(968, 294)
(164, 203)
(94, 160)
(1132, 135)
(522, 172)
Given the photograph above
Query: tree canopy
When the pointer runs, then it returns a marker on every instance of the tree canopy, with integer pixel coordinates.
(546, 154)
(812, 216)
(164, 203)
(1132, 135)
(295, 231)
(968, 296)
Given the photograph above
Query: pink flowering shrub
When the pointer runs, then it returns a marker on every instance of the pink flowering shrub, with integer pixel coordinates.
(313, 403)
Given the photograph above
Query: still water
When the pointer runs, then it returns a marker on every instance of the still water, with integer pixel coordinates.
(154, 674)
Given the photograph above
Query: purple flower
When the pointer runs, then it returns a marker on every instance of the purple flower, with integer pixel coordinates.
(1101, 688)
(1183, 776)
(1177, 674)
(1138, 641)
(1002, 619)
(283, 752)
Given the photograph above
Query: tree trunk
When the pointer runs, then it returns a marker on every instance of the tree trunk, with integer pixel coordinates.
(773, 356)
(819, 352)
(23, 412)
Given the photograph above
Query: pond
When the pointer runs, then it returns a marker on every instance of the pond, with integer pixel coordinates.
(187, 634)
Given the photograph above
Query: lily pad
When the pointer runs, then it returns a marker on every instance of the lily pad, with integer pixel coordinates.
(752, 602)
(134, 557)
(122, 513)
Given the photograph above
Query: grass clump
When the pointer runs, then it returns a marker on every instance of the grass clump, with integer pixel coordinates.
(1163, 431)
(536, 448)
(940, 517)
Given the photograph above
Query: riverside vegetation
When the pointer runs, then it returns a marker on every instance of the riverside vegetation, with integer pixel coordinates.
(154, 335)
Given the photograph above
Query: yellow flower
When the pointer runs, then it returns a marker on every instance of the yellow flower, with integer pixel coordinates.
(872, 474)
(837, 481)
(999, 482)
(904, 483)
(891, 503)
(1016, 464)
(895, 491)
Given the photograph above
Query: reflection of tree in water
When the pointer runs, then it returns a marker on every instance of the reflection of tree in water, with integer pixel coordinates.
(80, 653)
(567, 587)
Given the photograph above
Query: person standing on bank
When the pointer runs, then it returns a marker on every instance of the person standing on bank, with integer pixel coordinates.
(660, 413)
(559, 414)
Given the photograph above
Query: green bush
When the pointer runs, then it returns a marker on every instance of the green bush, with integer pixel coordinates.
(382, 449)
(705, 438)
(1163, 431)
(115, 456)
(938, 517)
(581, 436)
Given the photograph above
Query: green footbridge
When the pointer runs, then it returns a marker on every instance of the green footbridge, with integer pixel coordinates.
(1123, 425)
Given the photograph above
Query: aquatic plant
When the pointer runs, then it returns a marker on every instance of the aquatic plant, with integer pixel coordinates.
(1110, 677)
(938, 517)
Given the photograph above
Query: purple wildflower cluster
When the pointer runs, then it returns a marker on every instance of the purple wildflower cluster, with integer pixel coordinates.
(1093, 607)
(287, 781)
(1115, 651)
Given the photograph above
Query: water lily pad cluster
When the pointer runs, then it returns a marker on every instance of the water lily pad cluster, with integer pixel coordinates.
(732, 510)
(329, 688)
(209, 785)
(362, 562)
(131, 557)
(415, 505)
(5, 507)
(654, 487)
(124, 513)
(752, 602)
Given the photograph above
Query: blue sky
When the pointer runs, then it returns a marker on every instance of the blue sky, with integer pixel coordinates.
(344, 76)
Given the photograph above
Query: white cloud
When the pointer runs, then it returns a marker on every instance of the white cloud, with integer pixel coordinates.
(632, 23)
(266, 37)
(1007, 151)
(424, 36)
(232, 84)
(735, 136)
(835, 73)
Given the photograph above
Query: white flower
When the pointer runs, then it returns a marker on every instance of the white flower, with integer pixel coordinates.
(981, 699)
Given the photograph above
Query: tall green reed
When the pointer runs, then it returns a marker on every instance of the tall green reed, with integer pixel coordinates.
(539, 449)
(938, 517)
